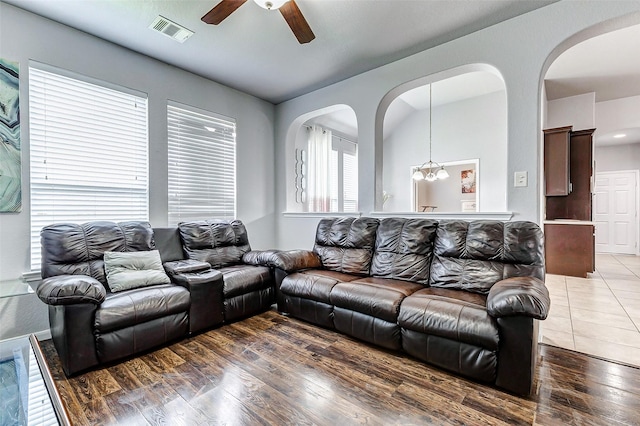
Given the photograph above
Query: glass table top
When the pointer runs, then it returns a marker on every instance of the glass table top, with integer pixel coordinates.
(27, 393)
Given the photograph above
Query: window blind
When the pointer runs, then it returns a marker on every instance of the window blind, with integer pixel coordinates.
(350, 179)
(89, 153)
(334, 179)
(202, 165)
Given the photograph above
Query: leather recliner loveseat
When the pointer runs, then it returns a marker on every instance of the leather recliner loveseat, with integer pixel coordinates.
(464, 296)
(91, 323)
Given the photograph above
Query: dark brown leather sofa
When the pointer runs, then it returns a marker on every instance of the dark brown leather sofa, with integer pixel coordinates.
(464, 296)
(91, 325)
(248, 285)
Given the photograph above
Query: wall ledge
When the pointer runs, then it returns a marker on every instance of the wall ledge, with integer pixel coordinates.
(310, 215)
(504, 216)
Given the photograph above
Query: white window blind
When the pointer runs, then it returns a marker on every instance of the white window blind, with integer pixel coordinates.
(89, 153)
(350, 179)
(334, 177)
(343, 176)
(202, 165)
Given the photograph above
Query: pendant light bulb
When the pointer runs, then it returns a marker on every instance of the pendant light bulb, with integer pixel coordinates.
(442, 173)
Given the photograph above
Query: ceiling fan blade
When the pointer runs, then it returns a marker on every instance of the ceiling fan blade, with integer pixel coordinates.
(222, 11)
(296, 21)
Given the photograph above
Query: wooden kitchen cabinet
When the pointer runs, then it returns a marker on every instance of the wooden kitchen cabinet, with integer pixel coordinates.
(569, 231)
(576, 204)
(557, 161)
(569, 248)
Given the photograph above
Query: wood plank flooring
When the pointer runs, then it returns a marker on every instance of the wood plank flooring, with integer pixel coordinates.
(274, 370)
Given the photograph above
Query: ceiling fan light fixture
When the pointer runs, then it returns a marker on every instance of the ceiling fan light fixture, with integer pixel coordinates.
(270, 4)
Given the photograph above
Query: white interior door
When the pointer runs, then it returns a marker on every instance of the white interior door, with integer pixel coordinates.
(615, 212)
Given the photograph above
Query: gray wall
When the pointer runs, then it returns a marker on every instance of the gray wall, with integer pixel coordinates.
(617, 157)
(474, 128)
(521, 49)
(25, 36)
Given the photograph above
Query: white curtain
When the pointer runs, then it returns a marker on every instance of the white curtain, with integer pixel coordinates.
(319, 199)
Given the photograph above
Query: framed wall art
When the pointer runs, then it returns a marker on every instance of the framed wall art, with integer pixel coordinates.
(10, 150)
(468, 181)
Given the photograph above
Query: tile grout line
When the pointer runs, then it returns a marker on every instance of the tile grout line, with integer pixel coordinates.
(566, 289)
(616, 296)
(615, 262)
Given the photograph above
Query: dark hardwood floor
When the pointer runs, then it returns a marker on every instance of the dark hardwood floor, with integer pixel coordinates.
(270, 369)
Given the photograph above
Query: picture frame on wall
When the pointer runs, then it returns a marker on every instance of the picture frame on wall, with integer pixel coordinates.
(10, 149)
(468, 181)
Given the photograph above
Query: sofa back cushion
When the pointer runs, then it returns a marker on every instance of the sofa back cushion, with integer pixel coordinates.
(72, 249)
(404, 249)
(346, 244)
(473, 256)
(217, 242)
(169, 244)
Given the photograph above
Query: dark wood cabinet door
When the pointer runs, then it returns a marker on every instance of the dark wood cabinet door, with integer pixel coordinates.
(556, 161)
(569, 249)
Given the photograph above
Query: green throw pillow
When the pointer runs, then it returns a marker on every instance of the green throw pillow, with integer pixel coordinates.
(127, 270)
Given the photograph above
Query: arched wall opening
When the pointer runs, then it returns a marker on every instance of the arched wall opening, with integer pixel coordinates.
(592, 81)
(468, 135)
(341, 122)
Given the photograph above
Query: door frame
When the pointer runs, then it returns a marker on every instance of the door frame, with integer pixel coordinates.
(637, 176)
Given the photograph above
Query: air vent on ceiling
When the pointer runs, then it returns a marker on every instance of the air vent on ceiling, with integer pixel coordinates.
(171, 29)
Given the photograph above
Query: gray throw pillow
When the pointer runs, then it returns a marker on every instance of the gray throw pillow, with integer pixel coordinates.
(127, 270)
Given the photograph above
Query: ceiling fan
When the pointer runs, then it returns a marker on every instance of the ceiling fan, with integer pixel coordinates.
(288, 8)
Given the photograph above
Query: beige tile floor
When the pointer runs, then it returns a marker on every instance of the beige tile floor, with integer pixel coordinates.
(598, 315)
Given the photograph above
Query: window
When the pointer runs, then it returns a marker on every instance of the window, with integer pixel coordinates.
(202, 165)
(89, 156)
(333, 172)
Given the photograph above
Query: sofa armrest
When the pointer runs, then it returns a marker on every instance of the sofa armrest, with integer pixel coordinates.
(295, 260)
(525, 296)
(185, 266)
(207, 300)
(71, 290)
(259, 257)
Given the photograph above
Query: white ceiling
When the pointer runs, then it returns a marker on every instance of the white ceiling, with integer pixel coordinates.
(608, 65)
(254, 50)
(452, 89)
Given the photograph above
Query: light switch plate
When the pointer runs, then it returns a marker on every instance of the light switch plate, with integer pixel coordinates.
(520, 179)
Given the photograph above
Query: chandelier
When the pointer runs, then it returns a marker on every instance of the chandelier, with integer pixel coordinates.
(430, 170)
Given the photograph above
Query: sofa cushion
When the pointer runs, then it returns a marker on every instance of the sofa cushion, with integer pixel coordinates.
(124, 309)
(376, 297)
(454, 319)
(242, 279)
(127, 270)
(346, 244)
(460, 295)
(405, 287)
(404, 248)
(473, 256)
(217, 242)
(338, 276)
(73, 249)
(308, 286)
